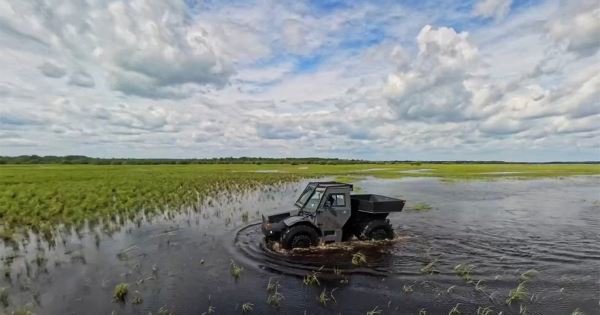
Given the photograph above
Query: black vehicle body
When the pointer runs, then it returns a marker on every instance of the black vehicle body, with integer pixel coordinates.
(327, 212)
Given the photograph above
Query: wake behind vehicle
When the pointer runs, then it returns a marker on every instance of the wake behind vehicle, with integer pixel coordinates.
(327, 212)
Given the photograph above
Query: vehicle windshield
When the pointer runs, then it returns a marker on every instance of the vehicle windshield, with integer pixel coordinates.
(314, 200)
(305, 195)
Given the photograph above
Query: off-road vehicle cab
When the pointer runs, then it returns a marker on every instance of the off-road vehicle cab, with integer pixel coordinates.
(327, 212)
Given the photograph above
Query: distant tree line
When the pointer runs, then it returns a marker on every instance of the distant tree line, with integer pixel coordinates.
(81, 159)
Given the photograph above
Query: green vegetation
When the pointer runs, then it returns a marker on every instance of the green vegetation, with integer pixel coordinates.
(528, 275)
(43, 197)
(274, 299)
(517, 294)
(22, 311)
(359, 259)
(235, 270)
(419, 207)
(485, 310)
(464, 271)
(272, 286)
(247, 307)
(312, 279)
(4, 297)
(454, 310)
(375, 311)
(430, 268)
(120, 292)
(323, 298)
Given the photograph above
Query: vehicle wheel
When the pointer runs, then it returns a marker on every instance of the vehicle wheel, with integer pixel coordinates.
(377, 230)
(347, 234)
(299, 236)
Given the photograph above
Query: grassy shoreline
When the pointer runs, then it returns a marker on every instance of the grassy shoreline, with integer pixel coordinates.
(41, 197)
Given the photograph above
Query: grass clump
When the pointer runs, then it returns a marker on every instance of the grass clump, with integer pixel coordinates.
(22, 312)
(274, 299)
(337, 271)
(464, 271)
(312, 279)
(120, 292)
(359, 259)
(528, 275)
(375, 311)
(407, 289)
(247, 307)
(420, 207)
(4, 297)
(430, 268)
(577, 312)
(272, 286)
(485, 310)
(517, 294)
(235, 270)
(454, 310)
(323, 298)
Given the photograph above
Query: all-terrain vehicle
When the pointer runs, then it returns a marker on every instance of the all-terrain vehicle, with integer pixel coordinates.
(327, 212)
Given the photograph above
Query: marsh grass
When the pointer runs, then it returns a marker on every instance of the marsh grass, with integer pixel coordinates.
(422, 311)
(137, 300)
(44, 197)
(375, 311)
(274, 299)
(22, 311)
(163, 310)
(235, 270)
(312, 279)
(528, 275)
(120, 292)
(464, 271)
(517, 294)
(337, 271)
(455, 310)
(430, 268)
(272, 286)
(359, 259)
(4, 301)
(485, 310)
(577, 312)
(407, 288)
(420, 207)
(247, 307)
(479, 287)
(323, 298)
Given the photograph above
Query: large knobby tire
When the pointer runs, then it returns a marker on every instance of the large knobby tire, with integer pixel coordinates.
(299, 236)
(347, 234)
(377, 230)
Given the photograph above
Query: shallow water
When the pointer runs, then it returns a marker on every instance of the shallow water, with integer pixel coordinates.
(181, 262)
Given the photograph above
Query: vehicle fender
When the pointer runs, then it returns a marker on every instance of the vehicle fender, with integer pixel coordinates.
(294, 220)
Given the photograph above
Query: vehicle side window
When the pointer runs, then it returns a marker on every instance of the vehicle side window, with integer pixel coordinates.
(339, 200)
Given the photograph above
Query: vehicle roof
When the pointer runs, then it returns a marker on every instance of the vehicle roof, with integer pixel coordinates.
(331, 184)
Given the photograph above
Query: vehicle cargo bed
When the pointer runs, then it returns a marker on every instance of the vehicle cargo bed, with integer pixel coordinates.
(376, 203)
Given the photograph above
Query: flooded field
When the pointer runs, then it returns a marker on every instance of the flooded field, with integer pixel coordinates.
(461, 245)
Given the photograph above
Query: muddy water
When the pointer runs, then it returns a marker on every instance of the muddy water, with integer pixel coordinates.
(180, 263)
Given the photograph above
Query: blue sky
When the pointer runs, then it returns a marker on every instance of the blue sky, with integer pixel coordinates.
(432, 80)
